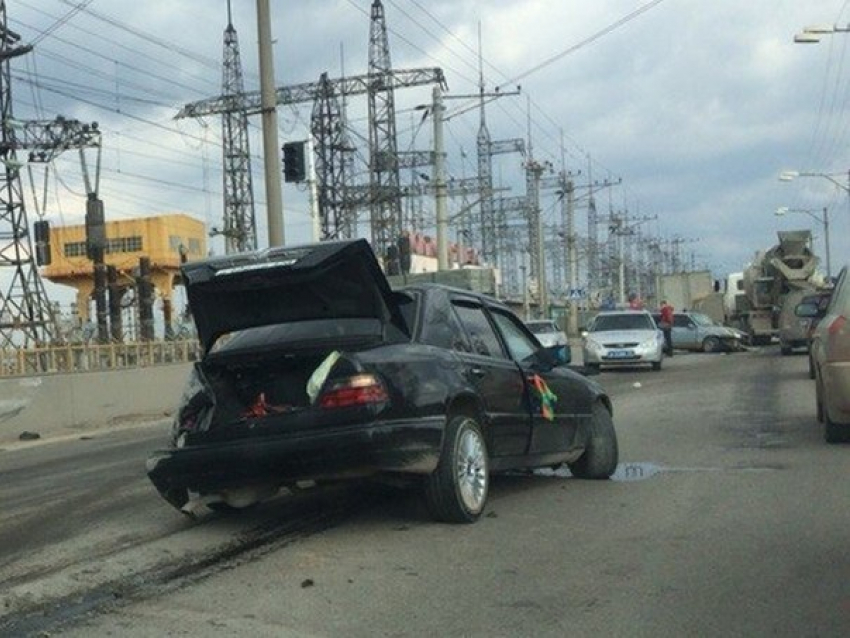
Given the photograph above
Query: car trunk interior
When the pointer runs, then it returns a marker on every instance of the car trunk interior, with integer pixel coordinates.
(253, 387)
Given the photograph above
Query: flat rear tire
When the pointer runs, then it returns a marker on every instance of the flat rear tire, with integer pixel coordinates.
(601, 452)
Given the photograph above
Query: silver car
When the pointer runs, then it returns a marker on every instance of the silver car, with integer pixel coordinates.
(547, 332)
(830, 348)
(623, 338)
(699, 332)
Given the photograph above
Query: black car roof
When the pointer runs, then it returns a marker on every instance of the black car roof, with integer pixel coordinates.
(454, 291)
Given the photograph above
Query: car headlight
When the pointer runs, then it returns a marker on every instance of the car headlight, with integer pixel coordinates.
(649, 344)
(593, 346)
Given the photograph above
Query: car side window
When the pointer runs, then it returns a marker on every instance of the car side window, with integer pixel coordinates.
(681, 321)
(482, 336)
(520, 345)
(838, 294)
(443, 330)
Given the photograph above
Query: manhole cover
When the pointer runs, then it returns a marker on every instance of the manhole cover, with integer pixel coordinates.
(635, 471)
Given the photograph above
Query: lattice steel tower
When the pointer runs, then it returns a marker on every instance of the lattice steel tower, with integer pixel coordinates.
(332, 149)
(26, 318)
(240, 230)
(485, 177)
(384, 185)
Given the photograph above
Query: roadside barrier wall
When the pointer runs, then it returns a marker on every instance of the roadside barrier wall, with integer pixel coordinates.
(66, 404)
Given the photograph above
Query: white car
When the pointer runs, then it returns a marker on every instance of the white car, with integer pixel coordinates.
(547, 332)
(623, 338)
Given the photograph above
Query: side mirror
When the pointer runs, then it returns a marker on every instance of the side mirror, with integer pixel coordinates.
(806, 310)
(560, 355)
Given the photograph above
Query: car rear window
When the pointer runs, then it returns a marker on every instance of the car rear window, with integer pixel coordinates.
(298, 332)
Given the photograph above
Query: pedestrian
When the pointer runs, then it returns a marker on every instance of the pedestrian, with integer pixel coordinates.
(666, 325)
(635, 302)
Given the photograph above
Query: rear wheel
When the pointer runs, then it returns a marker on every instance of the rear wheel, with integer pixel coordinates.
(834, 432)
(601, 451)
(711, 344)
(456, 492)
(785, 349)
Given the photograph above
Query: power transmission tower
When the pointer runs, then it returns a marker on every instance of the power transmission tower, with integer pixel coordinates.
(333, 161)
(384, 183)
(240, 229)
(492, 225)
(337, 200)
(24, 309)
(26, 315)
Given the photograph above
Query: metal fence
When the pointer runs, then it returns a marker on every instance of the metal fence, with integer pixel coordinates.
(90, 357)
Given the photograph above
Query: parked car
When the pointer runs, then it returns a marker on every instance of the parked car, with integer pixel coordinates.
(314, 369)
(547, 332)
(795, 329)
(623, 338)
(698, 332)
(830, 349)
(810, 311)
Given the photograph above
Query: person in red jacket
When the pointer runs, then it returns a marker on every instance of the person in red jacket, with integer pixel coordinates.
(666, 325)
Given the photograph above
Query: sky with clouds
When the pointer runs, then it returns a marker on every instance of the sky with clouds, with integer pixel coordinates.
(694, 108)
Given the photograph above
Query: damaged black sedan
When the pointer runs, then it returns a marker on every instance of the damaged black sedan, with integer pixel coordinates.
(313, 368)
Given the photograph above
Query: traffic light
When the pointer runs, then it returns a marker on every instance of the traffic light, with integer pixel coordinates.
(294, 169)
(42, 242)
(95, 229)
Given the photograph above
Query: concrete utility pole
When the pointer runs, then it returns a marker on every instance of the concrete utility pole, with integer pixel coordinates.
(315, 219)
(535, 171)
(572, 258)
(440, 181)
(271, 149)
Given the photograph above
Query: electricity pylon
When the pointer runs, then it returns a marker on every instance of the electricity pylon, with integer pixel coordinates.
(26, 315)
(381, 81)
(240, 229)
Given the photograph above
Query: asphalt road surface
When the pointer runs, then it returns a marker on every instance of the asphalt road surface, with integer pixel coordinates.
(729, 515)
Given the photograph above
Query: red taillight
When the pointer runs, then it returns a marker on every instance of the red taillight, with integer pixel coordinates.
(836, 326)
(363, 389)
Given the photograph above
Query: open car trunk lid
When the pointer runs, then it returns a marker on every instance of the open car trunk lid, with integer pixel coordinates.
(329, 280)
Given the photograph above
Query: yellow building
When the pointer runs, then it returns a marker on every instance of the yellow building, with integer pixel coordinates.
(164, 239)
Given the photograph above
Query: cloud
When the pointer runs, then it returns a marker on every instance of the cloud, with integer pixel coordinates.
(696, 106)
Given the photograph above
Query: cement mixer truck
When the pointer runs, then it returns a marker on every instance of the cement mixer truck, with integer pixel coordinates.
(787, 266)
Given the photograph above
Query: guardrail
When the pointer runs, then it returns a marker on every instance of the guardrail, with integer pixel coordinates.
(91, 357)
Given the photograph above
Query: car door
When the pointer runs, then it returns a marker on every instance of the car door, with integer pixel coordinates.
(684, 332)
(498, 380)
(553, 426)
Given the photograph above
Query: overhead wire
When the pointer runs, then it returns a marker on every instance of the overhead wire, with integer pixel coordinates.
(113, 45)
(68, 90)
(61, 21)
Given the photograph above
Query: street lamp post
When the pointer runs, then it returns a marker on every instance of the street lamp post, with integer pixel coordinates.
(812, 34)
(824, 221)
(787, 176)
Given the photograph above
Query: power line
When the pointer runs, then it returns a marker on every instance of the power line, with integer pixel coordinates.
(612, 27)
